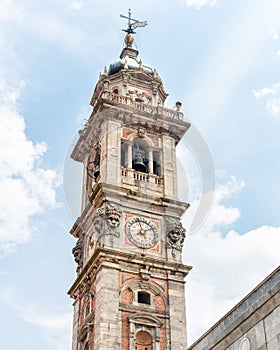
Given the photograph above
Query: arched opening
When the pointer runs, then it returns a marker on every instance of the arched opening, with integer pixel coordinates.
(156, 163)
(140, 161)
(93, 166)
(140, 155)
(96, 163)
(143, 341)
(115, 93)
(146, 331)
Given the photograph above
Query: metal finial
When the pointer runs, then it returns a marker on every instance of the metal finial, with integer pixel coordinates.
(133, 23)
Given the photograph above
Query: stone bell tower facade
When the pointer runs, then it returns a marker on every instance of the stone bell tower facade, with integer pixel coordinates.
(129, 291)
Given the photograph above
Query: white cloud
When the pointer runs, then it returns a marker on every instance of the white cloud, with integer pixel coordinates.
(227, 264)
(274, 33)
(273, 106)
(272, 93)
(26, 187)
(198, 4)
(76, 5)
(220, 215)
(54, 321)
(10, 11)
(273, 90)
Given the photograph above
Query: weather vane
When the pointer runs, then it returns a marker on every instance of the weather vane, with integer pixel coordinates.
(133, 23)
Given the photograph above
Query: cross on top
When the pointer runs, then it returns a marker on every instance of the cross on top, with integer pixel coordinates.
(133, 23)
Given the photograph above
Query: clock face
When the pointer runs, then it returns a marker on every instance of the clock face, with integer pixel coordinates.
(141, 232)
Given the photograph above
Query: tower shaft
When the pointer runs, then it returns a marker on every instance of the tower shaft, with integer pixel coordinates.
(129, 291)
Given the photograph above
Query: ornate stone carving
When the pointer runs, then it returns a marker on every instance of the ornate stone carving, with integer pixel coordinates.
(145, 276)
(77, 251)
(106, 222)
(139, 96)
(141, 132)
(176, 234)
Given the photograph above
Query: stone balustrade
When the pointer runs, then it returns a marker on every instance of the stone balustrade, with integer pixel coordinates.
(139, 176)
(126, 100)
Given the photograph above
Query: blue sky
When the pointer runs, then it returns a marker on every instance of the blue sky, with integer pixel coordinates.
(222, 60)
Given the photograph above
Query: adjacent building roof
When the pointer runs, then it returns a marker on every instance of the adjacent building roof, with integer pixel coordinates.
(259, 303)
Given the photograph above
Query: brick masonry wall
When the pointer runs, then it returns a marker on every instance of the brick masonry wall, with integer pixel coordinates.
(127, 296)
(125, 331)
(159, 303)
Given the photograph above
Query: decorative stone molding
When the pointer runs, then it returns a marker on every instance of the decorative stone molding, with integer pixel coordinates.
(146, 319)
(106, 222)
(175, 237)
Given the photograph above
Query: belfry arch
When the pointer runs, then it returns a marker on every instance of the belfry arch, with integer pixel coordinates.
(139, 153)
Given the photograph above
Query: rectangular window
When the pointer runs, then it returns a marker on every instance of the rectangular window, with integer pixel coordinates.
(144, 298)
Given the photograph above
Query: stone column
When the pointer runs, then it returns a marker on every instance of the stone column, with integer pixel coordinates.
(169, 168)
(129, 155)
(150, 161)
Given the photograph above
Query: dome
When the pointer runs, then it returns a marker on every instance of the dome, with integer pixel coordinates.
(128, 62)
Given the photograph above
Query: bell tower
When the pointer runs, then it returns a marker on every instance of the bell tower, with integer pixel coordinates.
(129, 291)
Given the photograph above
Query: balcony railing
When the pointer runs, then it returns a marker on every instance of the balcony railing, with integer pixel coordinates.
(138, 176)
(126, 100)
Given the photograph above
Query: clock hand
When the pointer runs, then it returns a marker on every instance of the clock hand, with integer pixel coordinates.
(140, 224)
(142, 231)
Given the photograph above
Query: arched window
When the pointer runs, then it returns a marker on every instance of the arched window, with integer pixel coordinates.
(143, 341)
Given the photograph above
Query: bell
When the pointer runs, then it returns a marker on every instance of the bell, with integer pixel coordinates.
(96, 172)
(138, 163)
